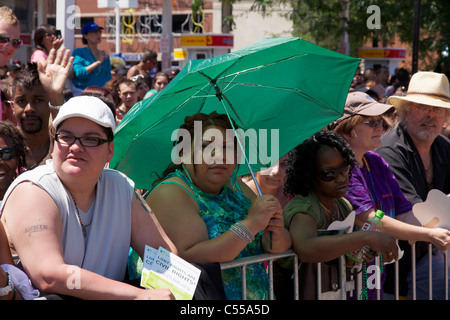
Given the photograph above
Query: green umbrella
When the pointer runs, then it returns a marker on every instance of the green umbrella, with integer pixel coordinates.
(285, 88)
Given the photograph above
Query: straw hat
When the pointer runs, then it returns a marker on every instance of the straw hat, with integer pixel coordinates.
(429, 88)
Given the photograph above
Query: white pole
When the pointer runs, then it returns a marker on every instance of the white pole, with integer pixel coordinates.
(117, 11)
(167, 34)
(66, 21)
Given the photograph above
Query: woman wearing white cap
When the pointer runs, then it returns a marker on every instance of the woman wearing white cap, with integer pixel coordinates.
(74, 231)
(372, 185)
(91, 66)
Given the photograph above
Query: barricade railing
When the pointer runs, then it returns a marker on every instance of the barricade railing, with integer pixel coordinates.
(349, 286)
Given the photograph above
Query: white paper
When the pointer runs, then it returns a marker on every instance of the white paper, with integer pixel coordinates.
(435, 210)
(163, 269)
(149, 257)
(346, 224)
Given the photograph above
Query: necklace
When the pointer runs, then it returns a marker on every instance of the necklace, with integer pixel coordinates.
(83, 227)
(331, 215)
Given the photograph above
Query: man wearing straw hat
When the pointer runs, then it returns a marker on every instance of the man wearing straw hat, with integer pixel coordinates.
(420, 157)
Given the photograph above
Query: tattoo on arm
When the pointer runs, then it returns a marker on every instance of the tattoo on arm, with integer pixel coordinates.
(143, 203)
(36, 228)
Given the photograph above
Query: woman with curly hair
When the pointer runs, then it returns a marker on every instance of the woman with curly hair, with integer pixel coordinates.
(12, 163)
(12, 155)
(318, 178)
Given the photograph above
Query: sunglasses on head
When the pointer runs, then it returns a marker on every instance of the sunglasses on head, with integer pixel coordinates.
(330, 175)
(7, 153)
(5, 39)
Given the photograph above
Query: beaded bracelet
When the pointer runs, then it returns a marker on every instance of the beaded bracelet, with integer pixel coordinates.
(242, 232)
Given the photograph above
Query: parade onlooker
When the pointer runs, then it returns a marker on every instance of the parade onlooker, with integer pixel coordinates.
(12, 155)
(160, 81)
(318, 178)
(272, 180)
(45, 39)
(225, 219)
(91, 66)
(142, 86)
(128, 95)
(9, 43)
(6, 103)
(400, 82)
(148, 62)
(419, 157)
(36, 94)
(84, 217)
(372, 185)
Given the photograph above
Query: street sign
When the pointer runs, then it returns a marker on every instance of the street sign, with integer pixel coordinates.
(207, 40)
(382, 53)
(164, 45)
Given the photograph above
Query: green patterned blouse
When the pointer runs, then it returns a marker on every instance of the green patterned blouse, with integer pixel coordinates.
(220, 212)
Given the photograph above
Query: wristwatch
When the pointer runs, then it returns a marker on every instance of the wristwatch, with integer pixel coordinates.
(9, 286)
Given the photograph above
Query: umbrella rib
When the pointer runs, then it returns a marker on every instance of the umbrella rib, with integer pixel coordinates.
(220, 95)
(295, 90)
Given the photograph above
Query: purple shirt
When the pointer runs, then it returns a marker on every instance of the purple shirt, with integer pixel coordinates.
(387, 190)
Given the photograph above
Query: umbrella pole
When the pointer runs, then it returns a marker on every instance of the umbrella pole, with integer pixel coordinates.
(251, 171)
(246, 159)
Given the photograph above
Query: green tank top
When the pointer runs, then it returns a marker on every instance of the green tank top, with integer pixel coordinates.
(220, 212)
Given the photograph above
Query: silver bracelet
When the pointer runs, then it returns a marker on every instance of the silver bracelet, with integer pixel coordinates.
(242, 232)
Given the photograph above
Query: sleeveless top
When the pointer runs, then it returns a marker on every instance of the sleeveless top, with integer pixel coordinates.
(220, 212)
(105, 248)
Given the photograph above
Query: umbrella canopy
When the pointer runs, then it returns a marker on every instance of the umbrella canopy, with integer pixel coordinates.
(286, 88)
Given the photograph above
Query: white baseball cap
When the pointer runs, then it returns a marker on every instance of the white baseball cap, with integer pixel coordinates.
(88, 107)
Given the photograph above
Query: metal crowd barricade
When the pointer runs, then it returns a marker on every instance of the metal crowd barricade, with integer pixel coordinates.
(348, 286)
(340, 294)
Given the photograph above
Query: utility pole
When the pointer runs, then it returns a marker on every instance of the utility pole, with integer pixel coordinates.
(416, 32)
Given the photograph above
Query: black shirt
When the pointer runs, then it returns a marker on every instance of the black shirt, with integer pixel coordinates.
(401, 154)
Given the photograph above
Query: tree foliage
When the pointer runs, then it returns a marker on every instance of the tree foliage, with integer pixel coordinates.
(322, 22)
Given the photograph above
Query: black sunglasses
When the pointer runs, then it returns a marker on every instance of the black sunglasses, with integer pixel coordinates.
(5, 39)
(330, 175)
(68, 139)
(7, 153)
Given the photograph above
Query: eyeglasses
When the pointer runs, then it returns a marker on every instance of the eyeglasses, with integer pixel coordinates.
(374, 123)
(424, 109)
(330, 175)
(47, 34)
(8, 153)
(5, 39)
(68, 139)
